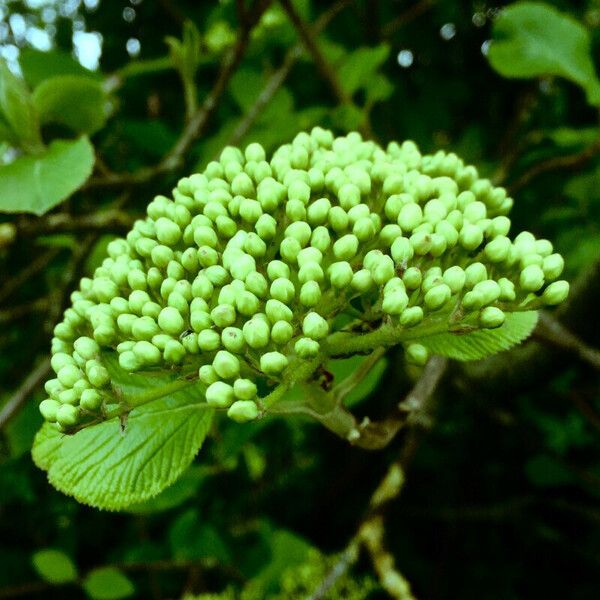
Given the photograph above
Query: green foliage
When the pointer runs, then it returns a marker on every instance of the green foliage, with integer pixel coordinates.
(18, 120)
(35, 184)
(54, 566)
(79, 103)
(107, 583)
(479, 344)
(37, 66)
(118, 463)
(533, 39)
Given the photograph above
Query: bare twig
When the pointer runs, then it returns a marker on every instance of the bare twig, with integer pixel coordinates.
(307, 35)
(20, 310)
(18, 399)
(409, 15)
(370, 530)
(551, 331)
(199, 120)
(412, 411)
(112, 220)
(34, 267)
(557, 163)
(280, 75)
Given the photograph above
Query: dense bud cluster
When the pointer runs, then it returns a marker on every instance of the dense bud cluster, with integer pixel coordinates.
(243, 270)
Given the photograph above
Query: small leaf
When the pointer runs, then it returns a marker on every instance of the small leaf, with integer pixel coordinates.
(191, 538)
(37, 65)
(484, 342)
(35, 184)
(107, 583)
(54, 566)
(533, 39)
(79, 103)
(109, 467)
(360, 66)
(17, 113)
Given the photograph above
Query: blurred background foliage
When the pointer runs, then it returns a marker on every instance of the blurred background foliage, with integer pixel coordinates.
(104, 104)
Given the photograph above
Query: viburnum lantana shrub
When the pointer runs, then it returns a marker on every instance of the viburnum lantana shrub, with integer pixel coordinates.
(255, 273)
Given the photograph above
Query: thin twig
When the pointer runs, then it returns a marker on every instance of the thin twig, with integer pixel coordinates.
(551, 331)
(21, 310)
(409, 15)
(199, 120)
(370, 530)
(33, 268)
(112, 220)
(280, 75)
(412, 411)
(557, 163)
(307, 35)
(58, 305)
(18, 399)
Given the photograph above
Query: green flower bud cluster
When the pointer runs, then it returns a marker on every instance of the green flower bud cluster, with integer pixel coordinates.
(244, 269)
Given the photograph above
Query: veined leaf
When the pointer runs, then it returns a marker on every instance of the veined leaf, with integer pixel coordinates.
(111, 467)
(183, 489)
(533, 39)
(35, 184)
(482, 343)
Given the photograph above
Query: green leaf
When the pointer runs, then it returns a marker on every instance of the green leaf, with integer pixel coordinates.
(343, 368)
(287, 550)
(111, 466)
(481, 343)
(186, 54)
(544, 470)
(17, 114)
(79, 103)
(361, 66)
(38, 66)
(107, 583)
(192, 539)
(533, 39)
(35, 184)
(183, 489)
(54, 566)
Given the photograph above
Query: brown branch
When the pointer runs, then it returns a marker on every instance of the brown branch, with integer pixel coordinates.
(557, 163)
(409, 15)
(18, 399)
(21, 310)
(412, 411)
(307, 35)
(58, 305)
(280, 75)
(199, 120)
(419, 402)
(33, 268)
(551, 331)
(112, 220)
